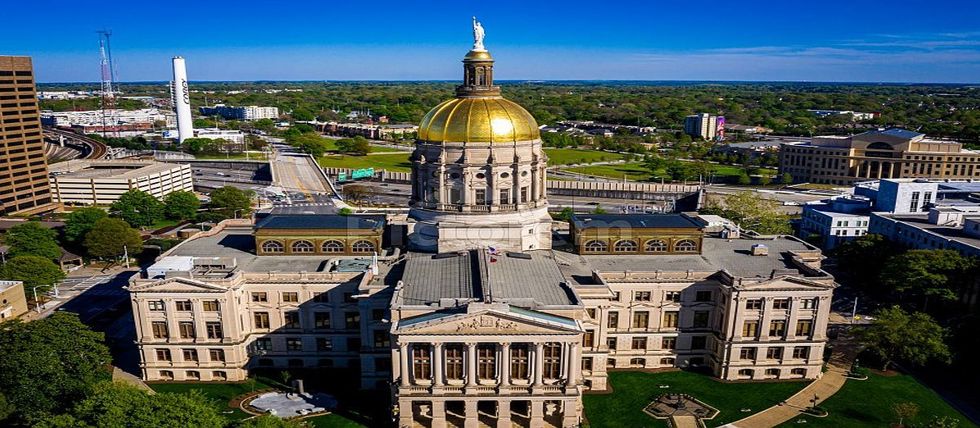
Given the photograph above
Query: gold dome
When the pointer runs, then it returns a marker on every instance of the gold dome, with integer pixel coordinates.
(478, 120)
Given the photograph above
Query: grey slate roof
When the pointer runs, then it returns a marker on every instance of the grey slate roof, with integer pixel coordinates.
(477, 275)
(321, 221)
(633, 220)
(896, 132)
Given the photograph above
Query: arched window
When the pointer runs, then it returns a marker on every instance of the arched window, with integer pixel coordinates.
(685, 246)
(625, 246)
(332, 247)
(596, 246)
(655, 246)
(272, 247)
(302, 246)
(362, 247)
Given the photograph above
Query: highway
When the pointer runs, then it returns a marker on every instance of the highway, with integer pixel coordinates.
(96, 150)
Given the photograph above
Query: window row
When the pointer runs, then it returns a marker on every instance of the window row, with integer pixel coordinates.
(774, 353)
(193, 375)
(184, 305)
(305, 246)
(632, 246)
(777, 328)
(291, 320)
(216, 355)
(186, 330)
(454, 361)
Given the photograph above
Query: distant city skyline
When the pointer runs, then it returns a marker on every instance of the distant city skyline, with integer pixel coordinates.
(835, 40)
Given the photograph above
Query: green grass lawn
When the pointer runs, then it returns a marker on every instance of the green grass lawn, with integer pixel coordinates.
(162, 223)
(234, 156)
(632, 171)
(632, 391)
(869, 403)
(220, 393)
(577, 156)
(395, 162)
(332, 420)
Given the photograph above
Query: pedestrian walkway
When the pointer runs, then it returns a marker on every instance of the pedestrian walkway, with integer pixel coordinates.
(829, 383)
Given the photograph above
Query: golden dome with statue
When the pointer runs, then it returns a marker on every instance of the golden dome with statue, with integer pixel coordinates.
(478, 114)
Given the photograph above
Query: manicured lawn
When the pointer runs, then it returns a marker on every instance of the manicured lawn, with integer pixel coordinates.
(869, 403)
(332, 420)
(162, 223)
(395, 162)
(632, 171)
(634, 390)
(577, 156)
(235, 156)
(219, 393)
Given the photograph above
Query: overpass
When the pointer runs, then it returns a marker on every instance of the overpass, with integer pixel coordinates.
(90, 148)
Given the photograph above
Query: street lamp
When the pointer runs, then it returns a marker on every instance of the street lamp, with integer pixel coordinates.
(37, 304)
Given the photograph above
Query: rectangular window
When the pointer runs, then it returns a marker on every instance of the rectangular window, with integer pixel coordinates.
(454, 362)
(260, 297)
(324, 344)
(160, 330)
(804, 327)
(639, 343)
(780, 304)
(914, 204)
(321, 297)
(382, 339)
(321, 320)
(421, 361)
(486, 361)
(702, 296)
(210, 305)
(261, 320)
(611, 343)
(641, 296)
(613, 321)
(746, 354)
(163, 355)
(217, 354)
(291, 319)
(504, 196)
(672, 296)
(808, 303)
(214, 329)
(183, 305)
(777, 328)
(668, 343)
(587, 363)
(155, 305)
(352, 320)
(290, 297)
(750, 329)
(701, 319)
(186, 329)
(800, 352)
(190, 354)
(263, 344)
(588, 338)
(294, 344)
(641, 319)
(481, 196)
(753, 304)
(774, 353)
(670, 319)
(699, 342)
(552, 361)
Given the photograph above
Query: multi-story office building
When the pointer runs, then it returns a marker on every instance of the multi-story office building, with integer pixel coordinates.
(477, 320)
(705, 126)
(23, 168)
(102, 182)
(241, 113)
(887, 153)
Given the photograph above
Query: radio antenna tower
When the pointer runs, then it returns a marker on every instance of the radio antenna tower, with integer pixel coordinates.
(108, 103)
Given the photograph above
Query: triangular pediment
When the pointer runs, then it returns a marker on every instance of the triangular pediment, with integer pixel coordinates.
(487, 322)
(176, 285)
(785, 283)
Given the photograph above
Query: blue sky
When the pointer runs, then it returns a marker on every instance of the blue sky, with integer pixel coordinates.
(829, 40)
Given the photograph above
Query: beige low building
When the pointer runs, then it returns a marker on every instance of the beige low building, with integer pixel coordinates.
(13, 302)
(888, 153)
(102, 182)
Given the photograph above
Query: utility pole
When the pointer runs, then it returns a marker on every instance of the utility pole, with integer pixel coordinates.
(854, 310)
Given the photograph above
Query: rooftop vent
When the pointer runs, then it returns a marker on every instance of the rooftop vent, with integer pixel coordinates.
(760, 250)
(514, 255)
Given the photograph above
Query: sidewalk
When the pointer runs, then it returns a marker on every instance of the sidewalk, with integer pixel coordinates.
(832, 380)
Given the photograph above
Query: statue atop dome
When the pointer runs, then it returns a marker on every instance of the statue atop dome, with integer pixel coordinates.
(478, 35)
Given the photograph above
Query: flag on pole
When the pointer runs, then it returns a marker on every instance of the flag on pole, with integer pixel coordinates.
(493, 251)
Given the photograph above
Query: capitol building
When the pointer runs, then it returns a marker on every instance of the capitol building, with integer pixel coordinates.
(478, 318)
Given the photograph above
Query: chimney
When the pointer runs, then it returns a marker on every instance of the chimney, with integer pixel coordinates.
(760, 250)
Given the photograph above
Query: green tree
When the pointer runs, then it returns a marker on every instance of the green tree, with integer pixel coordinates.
(310, 143)
(80, 221)
(138, 208)
(32, 239)
(357, 145)
(231, 201)
(47, 363)
(786, 178)
(743, 179)
(862, 259)
(269, 421)
(112, 237)
(753, 213)
(905, 411)
(302, 114)
(345, 211)
(929, 274)
(896, 335)
(120, 405)
(565, 214)
(181, 205)
(34, 271)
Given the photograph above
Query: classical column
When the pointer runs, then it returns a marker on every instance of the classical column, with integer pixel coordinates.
(472, 414)
(891, 170)
(537, 413)
(470, 364)
(403, 358)
(503, 414)
(505, 364)
(794, 306)
(538, 364)
(437, 364)
(406, 414)
(574, 364)
(438, 414)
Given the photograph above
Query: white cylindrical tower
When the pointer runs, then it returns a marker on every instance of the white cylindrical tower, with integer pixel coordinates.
(182, 100)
